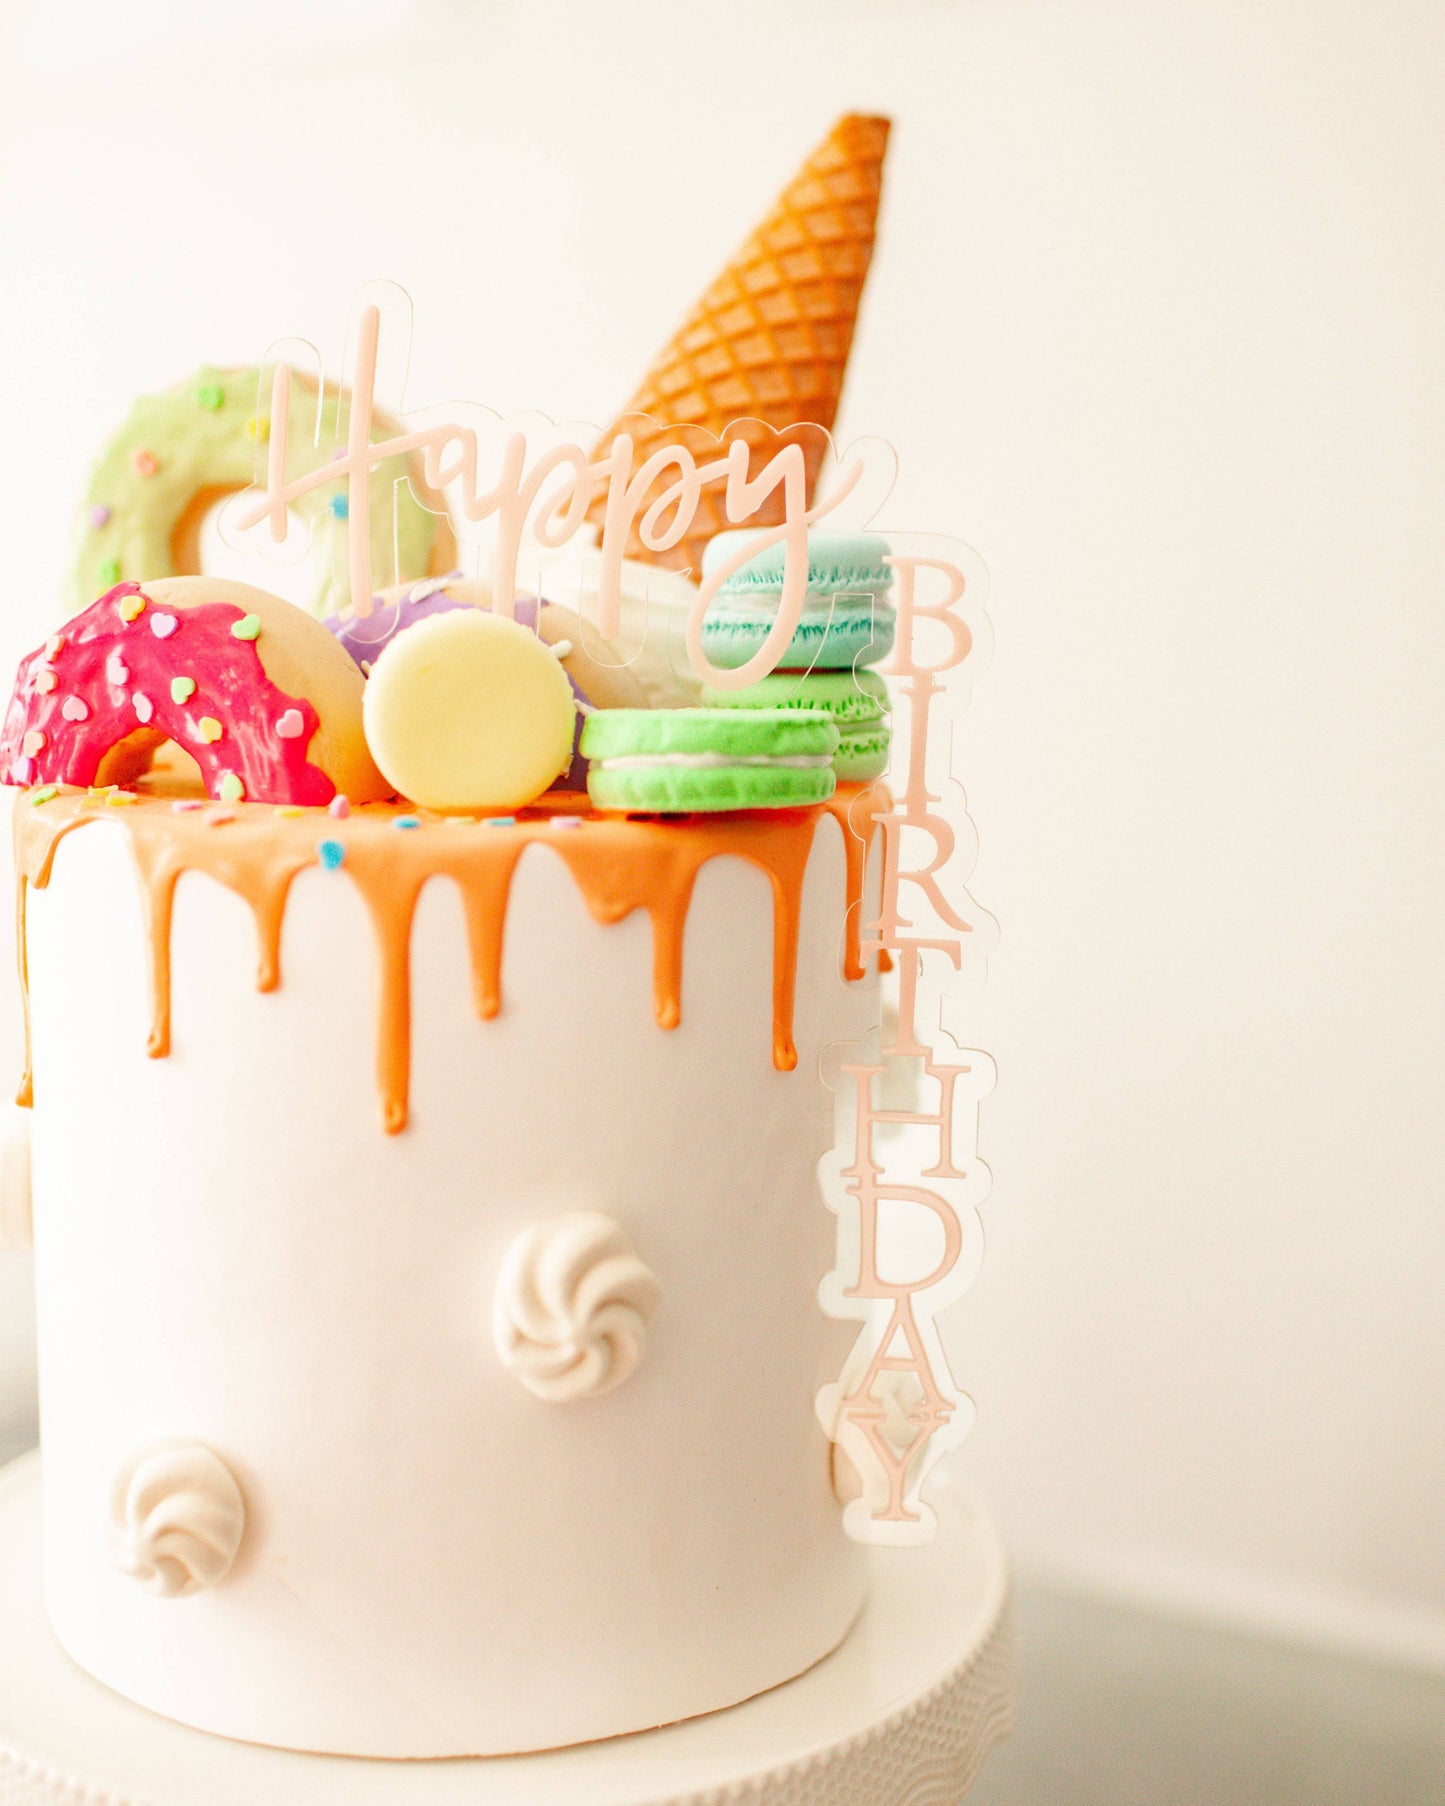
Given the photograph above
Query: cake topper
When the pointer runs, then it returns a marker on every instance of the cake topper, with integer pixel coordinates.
(896, 1408)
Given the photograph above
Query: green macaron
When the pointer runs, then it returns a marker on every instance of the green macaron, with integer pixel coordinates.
(856, 702)
(676, 761)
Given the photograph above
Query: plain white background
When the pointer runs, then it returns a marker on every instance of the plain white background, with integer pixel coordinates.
(1156, 325)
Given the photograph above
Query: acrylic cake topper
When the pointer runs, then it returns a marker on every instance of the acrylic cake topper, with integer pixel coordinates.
(525, 496)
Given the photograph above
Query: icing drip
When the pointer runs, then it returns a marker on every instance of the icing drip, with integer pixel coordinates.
(619, 864)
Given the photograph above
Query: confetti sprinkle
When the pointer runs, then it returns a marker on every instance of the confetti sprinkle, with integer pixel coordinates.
(565, 821)
(45, 682)
(33, 743)
(55, 645)
(219, 817)
(209, 730)
(459, 821)
(99, 516)
(231, 788)
(501, 821)
(98, 794)
(182, 689)
(340, 507)
(146, 463)
(143, 706)
(44, 793)
(163, 626)
(331, 853)
(339, 807)
(109, 571)
(211, 396)
(258, 429)
(22, 771)
(406, 821)
(74, 709)
(292, 725)
(186, 804)
(119, 798)
(130, 608)
(247, 628)
(117, 671)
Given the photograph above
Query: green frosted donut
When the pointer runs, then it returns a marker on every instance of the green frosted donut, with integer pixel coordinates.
(180, 451)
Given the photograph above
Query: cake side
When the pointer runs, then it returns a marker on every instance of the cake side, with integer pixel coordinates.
(437, 1560)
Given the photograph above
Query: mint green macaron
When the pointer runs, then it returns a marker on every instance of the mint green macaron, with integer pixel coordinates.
(677, 761)
(847, 618)
(856, 702)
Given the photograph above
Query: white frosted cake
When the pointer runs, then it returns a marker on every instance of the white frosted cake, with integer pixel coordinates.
(427, 1007)
(509, 1416)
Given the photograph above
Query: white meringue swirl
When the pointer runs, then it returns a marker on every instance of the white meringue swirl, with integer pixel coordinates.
(176, 1518)
(572, 1306)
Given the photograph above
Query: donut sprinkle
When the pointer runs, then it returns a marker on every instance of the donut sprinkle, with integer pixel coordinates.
(125, 677)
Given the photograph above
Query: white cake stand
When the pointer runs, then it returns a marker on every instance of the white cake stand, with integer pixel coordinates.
(902, 1715)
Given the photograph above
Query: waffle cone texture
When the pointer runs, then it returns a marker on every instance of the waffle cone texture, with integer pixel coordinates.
(761, 356)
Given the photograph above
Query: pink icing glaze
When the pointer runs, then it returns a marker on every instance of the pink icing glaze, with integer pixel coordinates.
(101, 656)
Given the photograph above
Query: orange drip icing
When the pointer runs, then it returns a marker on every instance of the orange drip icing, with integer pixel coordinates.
(618, 864)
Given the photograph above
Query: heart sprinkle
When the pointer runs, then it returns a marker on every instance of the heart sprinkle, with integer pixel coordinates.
(292, 725)
(73, 709)
(146, 463)
(23, 770)
(208, 729)
(45, 682)
(182, 689)
(231, 788)
(131, 607)
(33, 743)
(143, 706)
(163, 626)
(117, 671)
(247, 628)
(55, 645)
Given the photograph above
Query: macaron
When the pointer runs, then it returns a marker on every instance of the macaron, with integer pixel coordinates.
(856, 702)
(676, 761)
(599, 679)
(467, 712)
(847, 619)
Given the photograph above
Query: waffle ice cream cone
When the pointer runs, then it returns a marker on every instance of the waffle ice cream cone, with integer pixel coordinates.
(761, 355)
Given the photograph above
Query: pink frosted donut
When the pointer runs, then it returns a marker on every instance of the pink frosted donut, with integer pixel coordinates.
(256, 691)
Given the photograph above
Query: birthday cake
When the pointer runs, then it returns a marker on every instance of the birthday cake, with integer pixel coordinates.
(427, 996)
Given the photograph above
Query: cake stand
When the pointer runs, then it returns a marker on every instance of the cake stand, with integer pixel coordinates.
(902, 1714)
